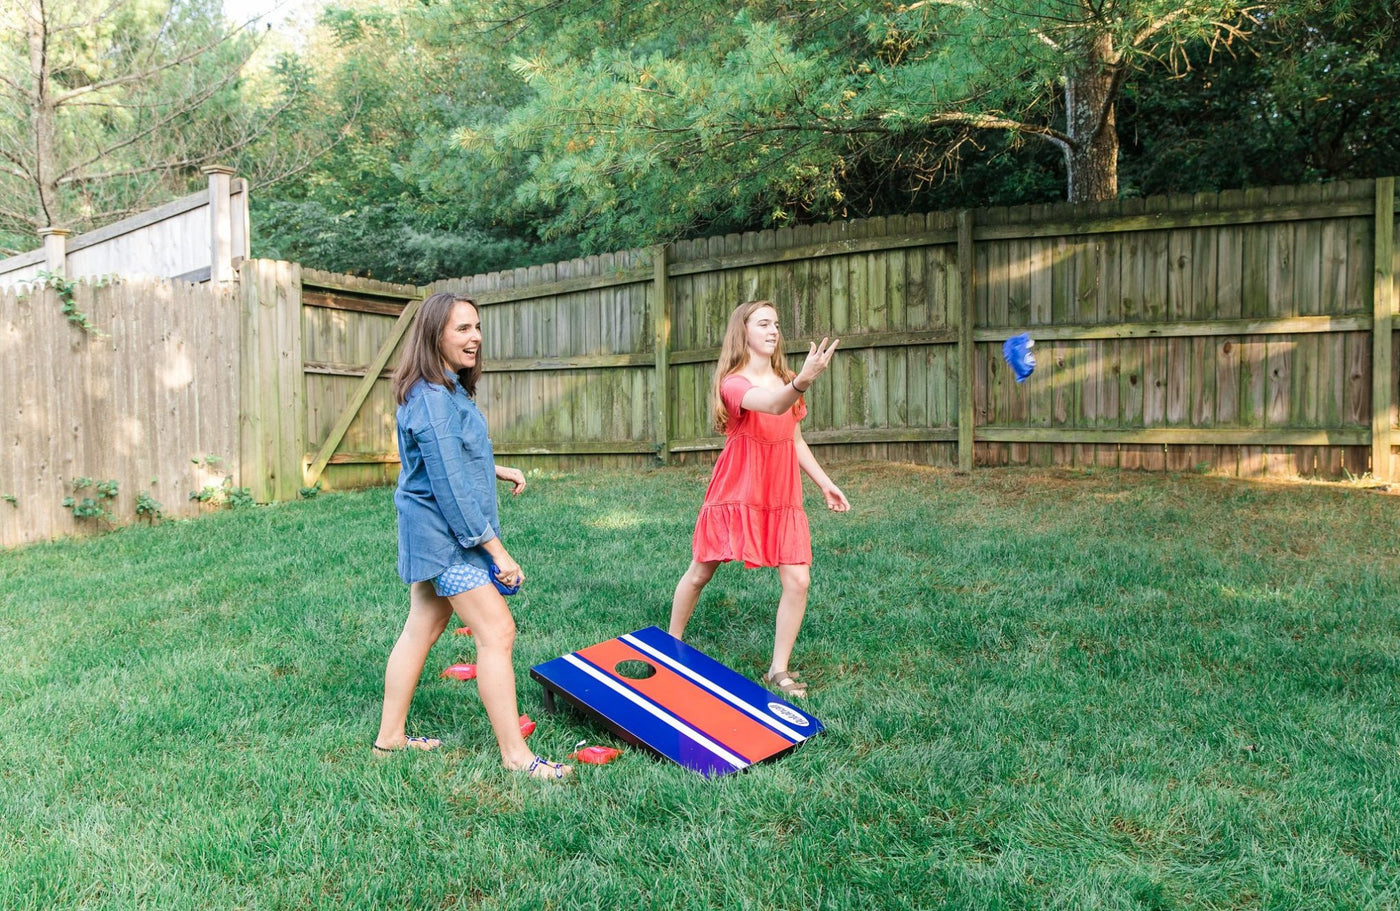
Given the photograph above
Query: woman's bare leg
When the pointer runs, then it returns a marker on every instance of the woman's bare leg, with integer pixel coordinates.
(493, 627)
(792, 606)
(427, 618)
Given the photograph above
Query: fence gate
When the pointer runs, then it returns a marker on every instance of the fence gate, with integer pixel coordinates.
(316, 348)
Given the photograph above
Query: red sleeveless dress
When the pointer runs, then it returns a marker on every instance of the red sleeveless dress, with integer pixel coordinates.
(753, 507)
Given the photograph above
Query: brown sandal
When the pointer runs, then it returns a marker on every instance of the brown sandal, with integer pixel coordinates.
(786, 682)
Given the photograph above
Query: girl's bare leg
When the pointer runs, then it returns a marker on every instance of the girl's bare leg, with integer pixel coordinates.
(792, 606)
(688, 589)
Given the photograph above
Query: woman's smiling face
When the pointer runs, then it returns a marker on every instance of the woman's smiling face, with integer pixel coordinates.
(460, 344)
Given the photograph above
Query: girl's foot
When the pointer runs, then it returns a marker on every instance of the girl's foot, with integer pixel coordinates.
(408, 743)
(786, 682)
(543, 770)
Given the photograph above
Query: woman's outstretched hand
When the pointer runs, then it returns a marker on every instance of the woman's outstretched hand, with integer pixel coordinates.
(818, 359)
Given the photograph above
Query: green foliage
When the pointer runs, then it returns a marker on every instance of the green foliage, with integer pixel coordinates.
(224, 495)
(400, 241)
(390, 198)
(10, 498)
(148, 507)
(308, 493)
(1314, 96)
(65, 289)
(465, 136)
(93, 507)
(1040, 691)
(720, 119)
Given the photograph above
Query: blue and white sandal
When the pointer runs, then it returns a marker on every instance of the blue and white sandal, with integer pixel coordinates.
(424, 744)
(540, 764)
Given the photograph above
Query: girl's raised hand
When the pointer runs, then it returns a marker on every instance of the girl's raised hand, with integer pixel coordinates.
(818, 359)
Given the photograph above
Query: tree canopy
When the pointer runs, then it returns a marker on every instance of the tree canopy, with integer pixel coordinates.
(416, 139)
(113, 107)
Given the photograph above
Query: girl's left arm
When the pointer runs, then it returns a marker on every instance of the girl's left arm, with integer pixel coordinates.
(835, 500)
(512, 476)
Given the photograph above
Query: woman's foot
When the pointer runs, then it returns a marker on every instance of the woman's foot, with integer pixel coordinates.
(543, 770)
(408, 743)
(786, 682)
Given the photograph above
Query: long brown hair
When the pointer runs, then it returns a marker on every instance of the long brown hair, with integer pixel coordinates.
(422, 355)
(734, 354)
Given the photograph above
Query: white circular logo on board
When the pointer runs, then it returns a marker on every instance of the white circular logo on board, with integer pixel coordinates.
(788, 714)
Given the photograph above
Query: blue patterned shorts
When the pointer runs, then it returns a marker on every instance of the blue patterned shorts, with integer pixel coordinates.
(460, 578)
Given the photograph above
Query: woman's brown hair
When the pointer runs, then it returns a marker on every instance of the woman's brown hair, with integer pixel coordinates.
(734, 354)
(422, 354)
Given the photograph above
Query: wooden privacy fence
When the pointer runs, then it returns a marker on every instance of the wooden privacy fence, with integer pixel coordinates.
(1245, 332)
(144, 405)
(1249, 333)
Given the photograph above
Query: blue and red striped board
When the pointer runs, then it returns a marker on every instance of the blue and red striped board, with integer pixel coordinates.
(691, 709)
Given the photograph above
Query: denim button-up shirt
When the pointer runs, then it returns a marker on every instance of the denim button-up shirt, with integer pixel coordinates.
(446, 497)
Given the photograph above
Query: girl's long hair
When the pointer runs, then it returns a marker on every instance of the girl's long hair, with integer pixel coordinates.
(734, 354)
(422, 354)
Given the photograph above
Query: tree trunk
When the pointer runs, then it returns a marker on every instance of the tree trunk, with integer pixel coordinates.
(42, 119)
(1091, 156)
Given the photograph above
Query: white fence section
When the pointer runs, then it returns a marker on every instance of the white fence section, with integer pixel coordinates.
(202, 237)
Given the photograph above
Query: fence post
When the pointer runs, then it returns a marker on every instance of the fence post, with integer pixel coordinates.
(239, 221)
(661, 341)
(1383, 309)
(55, 250)
(271, 400)
(968, 315)
(220, 223)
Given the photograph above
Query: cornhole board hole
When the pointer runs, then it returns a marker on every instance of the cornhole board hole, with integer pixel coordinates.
(652, 690)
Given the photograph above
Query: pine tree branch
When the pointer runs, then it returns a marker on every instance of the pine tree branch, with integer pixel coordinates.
(147, 74)
(182, 108)
(17, 216)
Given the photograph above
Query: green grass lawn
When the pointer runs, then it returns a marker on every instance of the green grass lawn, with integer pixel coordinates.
(1041, 690)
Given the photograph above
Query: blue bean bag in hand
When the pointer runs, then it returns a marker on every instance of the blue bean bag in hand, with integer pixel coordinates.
(501, 586)
(1018, 354)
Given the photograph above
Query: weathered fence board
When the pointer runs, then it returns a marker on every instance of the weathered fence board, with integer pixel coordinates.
(150, 401)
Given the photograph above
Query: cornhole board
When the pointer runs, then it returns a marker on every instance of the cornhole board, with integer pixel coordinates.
(689, 708)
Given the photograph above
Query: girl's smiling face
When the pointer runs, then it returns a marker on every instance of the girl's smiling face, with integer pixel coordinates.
(761, 332)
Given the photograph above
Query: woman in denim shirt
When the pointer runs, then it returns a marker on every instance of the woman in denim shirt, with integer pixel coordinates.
(449, 531)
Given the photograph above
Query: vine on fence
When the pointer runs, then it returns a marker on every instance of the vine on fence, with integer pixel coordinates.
(148, 507)
(64, 289)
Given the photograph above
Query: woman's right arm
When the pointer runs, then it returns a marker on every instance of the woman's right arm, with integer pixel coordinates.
(438, 430)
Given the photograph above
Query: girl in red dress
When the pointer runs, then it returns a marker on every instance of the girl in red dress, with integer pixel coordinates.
(753, 507)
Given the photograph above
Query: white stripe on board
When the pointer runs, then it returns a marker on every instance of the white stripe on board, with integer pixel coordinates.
(664, 716)
(715, 688)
